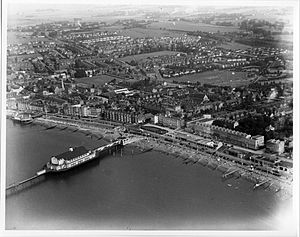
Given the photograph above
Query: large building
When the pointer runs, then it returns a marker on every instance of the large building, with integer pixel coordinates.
(26, 105)
(172, 122)
(275, 146)
(119, 116)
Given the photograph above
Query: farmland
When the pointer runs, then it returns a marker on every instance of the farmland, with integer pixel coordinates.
(221, 78)
(146, 55)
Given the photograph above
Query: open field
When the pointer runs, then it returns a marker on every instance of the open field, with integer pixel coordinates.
(234, 46)
(288, 38)
(24, 56)
(146, 55)
(189, 26)
(147, 32)
(18, 38)
(221, 78)
(98, 80)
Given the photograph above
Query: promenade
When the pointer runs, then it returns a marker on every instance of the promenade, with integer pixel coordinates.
(103, 131)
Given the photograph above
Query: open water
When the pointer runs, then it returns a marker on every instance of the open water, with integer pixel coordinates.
(134, 191)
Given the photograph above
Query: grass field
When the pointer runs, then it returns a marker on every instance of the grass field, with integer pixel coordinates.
(189, 26)
(147, 32)
(98, 80)
(234, 46)
(221, 78)
(288, 38)
(18, 38)
(138, 57)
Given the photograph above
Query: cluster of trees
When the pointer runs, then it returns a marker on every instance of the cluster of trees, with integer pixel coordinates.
(53, 34)
(258, 124)
(285, 131)
(254, 24)
(80, 73)
(267, 42)
(223, 123)
(254, 125)
(224, 23)
(80, 68)
(142, 84)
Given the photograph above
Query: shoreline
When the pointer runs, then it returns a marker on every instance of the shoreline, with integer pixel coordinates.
(188, 156)
(100, 132)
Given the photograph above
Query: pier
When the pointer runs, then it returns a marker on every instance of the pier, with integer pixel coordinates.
(29, 181)
(15, 186)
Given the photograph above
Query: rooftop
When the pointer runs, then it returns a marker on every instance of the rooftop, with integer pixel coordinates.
(72, 153)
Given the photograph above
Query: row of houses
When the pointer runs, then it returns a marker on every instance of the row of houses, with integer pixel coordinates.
(228, 135)
(81, 110)
(25, 105)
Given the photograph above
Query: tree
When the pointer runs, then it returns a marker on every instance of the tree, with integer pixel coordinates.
(80, 73)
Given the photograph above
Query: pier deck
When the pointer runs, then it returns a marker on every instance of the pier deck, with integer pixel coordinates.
(44, 171)
(16, 185)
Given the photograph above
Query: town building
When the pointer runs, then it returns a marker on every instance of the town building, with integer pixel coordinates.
(275, 146)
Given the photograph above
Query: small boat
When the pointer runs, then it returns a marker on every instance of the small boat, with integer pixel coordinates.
(51, 127)
(146, 150)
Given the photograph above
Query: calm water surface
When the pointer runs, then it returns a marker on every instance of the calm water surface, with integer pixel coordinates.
(140, 191)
